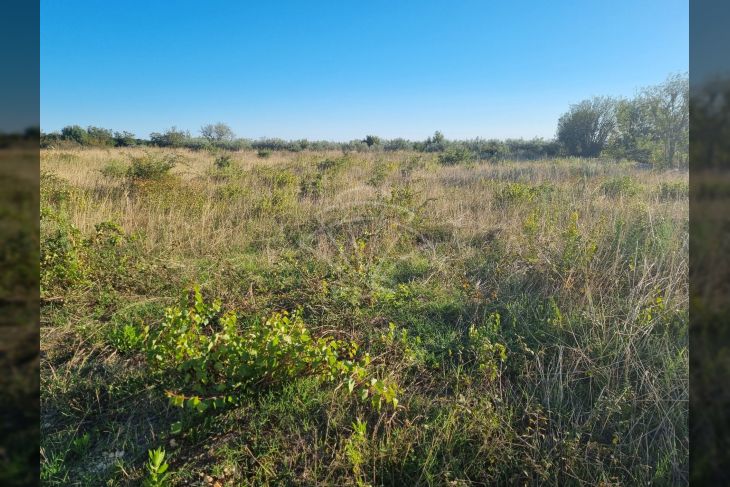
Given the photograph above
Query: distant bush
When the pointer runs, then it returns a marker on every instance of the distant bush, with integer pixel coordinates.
(124, 139)
(151, 166)
(76, 133)
(513, 193)
(456, 155)
(372, 140)
(621, 186)
(264, 153)
(674, 190)
(397, 144)
(171, 138)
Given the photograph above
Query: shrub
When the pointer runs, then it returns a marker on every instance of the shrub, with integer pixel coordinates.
(487, 354)
(223, 161)
(621, 186)
(171, 138)
(264, 153)
(372, 140)
(76, 133)
(114, 169)
(210, 360)
(513, 193)
(151, 166)
(674, 190)
(312, 186)
(456, 155)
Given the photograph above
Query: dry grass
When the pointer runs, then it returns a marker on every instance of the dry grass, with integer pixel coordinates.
(584, 260)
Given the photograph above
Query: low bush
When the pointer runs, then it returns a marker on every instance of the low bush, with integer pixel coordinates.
(223, 161)
(115, 169)
(621, 186)
(151, 166)
(456, 155)
(673, 190)
(209, 360)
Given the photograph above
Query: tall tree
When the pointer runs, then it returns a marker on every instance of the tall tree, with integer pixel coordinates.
(218, 132)
(584, 130)
(630, 139)
(667, 108)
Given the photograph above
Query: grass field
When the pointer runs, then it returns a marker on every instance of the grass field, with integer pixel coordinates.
(516, 323)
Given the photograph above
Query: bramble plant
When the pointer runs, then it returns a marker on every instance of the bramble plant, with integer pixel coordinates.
(215, 360)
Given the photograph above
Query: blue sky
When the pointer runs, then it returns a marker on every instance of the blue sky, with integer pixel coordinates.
(342, 69)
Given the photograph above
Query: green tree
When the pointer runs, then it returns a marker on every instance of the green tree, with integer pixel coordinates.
(75, 133)
(171, 138)
(372, 140)
(124, 139)
(218, 132)
(99, 136)
(667, 109)
(630, 139)
(584, 130)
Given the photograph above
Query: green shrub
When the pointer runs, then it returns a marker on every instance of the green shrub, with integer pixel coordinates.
(456, 155)
(264, 153)
(333, 164)
(61, 262)
(114, 169)
(673, 190)
(487, 354)
(223, 161)
(151, 166)
(621, 186)
(312, 186)
(210, 360)
(513, 193)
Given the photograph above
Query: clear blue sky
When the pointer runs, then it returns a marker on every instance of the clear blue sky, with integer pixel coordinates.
(339, 70)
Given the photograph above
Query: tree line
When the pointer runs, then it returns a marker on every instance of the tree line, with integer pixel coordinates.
(652, 128)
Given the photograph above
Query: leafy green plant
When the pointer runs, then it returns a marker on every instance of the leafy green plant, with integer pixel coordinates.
(212, 360)
(513, 193)
(62, 264)
(114, 169)
(355, 448)
(80, 444)
(127, 338)
(264, 153)
(621, 186)
(489, 355)
(151, 166)
(456, 155)
(157, 474)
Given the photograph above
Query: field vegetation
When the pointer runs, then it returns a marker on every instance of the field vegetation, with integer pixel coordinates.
(374, 317)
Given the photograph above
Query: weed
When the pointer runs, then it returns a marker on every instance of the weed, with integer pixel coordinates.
(157, 474)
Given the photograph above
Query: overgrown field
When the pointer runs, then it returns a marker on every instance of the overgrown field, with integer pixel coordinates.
(361, 319)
